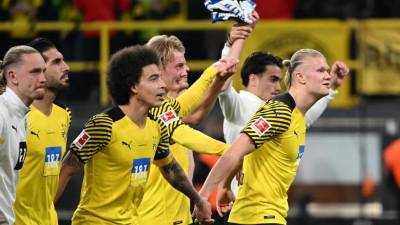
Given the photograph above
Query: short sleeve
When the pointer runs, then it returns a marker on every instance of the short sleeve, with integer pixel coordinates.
(163, 157)
(167, 119)
(271, 119)
(94, 137)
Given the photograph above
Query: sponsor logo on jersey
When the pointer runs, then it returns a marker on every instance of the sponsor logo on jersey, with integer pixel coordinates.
(301, 152)
(82, 139)
(260, 126)
(168, 117)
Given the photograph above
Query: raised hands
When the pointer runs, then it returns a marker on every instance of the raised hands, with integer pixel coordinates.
(242, 30)
(226, 67)
(338, 73)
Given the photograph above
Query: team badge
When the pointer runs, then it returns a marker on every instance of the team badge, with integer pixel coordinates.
(260, 126)
(168, 117)
(82, 139)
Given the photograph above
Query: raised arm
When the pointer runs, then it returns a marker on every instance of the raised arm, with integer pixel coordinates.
(197, 141)
(232, 50)
(192, 97)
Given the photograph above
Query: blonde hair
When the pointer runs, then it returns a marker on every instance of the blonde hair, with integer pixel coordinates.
(165, 46)
(13, 56)
(296, 60)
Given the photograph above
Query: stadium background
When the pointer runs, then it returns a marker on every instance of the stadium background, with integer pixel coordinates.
(342, 179)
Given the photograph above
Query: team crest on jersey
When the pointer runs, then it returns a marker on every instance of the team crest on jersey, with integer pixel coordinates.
(260, 126)
(82, 139)
(168, 117)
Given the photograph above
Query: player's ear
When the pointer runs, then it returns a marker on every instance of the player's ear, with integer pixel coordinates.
(253, 79)
(134, 89)
(300, 77)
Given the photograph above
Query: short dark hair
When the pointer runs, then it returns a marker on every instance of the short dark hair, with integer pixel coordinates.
(256, 64)
(41, 45)
(125, 69)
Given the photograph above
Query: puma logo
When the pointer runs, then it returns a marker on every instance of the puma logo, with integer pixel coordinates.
(127, 144)
(35, 134)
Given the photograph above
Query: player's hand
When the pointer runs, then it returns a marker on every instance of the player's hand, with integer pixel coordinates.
(338, 72)
(254, 17)
(226, 67)
(239, 31)
(225, 199)
(202, 212)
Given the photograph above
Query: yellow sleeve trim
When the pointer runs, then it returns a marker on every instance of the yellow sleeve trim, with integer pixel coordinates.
(165, 161)
(191, 98)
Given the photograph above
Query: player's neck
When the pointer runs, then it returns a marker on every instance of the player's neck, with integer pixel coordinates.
(173, 94)
(136, 111)
(45, 105)
(303, 100)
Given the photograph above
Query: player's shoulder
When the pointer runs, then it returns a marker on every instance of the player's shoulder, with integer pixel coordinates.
(114, 114)
(61, 108)
(105, 119)
(283, 101)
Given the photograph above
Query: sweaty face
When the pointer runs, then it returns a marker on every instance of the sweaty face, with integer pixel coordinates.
(56, 70)
(316, 75)
(174, 73)
(151, 88)
(28, 77)
(268, 83)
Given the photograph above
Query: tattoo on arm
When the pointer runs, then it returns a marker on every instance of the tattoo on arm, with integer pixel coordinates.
(175, 175)
(72, 160)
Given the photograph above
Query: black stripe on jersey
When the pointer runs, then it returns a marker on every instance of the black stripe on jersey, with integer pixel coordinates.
(161, 154)
(174, 104)
(166, 130)
(60, 105)
(287, 99)
(115, 113)
(99, 129)
(66, 109)
(277, 115)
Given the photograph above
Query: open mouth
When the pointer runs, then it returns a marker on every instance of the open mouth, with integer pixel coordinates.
(162, 95)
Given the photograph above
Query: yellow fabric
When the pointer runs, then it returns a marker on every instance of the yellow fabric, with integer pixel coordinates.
(197, 141)
(271, 168)
(38, 181)
(192, 97)
(116, 171)
(171, 206)
(168, 206)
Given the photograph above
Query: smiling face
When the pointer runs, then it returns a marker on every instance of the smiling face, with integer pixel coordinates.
(56, 70)
(151, 88)
(174, 73)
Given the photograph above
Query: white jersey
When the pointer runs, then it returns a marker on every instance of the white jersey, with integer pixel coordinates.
(238, 108)
(12, 150)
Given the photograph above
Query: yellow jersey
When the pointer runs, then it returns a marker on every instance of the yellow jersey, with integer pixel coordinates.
(117, 155)
(38, 179)
(170, 206)
(278, 131)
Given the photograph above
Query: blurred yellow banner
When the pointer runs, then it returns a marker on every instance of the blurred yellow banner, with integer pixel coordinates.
(283, 38)
(380, 51)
